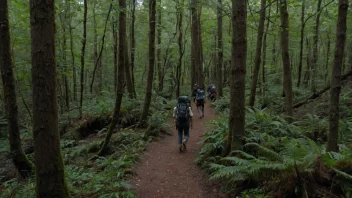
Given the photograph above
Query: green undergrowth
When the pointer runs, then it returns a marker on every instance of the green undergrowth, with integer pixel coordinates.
(107, 176)
(280, 159)
(102, 177)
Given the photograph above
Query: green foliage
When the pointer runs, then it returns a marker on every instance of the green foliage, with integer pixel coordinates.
(278, 158)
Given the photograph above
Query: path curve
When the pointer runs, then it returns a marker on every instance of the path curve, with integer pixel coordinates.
(163, 171)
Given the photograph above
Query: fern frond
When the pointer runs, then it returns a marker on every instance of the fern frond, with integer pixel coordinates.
(270, 154)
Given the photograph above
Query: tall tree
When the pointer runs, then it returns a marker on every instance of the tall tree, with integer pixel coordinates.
(301, 44)
(120, 75)
(49, 166)
(286, 58)
(237, 75)
(133, 39)
(96, 57)
(158, 53)
(179, 15)
(196, 45)
(148, 94)
(315, 48)
(72, 56)
(19, 158)
(220, 49)
(258, 52)
(336, 76)
(84, 40)
(264, 52)
(114, 33)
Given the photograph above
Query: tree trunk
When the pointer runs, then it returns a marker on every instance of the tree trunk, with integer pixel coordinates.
(158, 53)
(264, 85)
(307, 72)
(19, 158)
(301, 44)
(180, 46)
(96, 57)
(315, 48)
(336, 77)
(49, 166)
(73, 58)
(148, 94)
(133, 41)
(238, 73)
(84, 39)
(258, 54)
(114, 32)
(220, 49)
(128, 76)
(327, 59)
(196, 52)
(286, 58)
(120, 77)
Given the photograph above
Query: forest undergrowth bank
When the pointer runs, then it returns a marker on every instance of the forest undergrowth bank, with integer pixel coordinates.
(281, 158)
(87, 174)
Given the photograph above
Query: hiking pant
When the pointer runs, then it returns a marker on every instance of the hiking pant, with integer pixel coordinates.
(183, 129)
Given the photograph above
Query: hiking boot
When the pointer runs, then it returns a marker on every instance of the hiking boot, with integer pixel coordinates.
(184, 144)
(181, 148)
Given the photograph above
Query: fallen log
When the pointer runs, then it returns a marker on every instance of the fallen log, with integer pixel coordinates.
(318, 94)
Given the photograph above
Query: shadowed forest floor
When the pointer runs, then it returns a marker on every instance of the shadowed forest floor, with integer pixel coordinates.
(165, 172)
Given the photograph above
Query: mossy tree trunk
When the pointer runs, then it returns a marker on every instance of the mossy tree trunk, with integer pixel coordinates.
(23, 165)
(220, 49)
(287, 81)
(148, 94)
(49, 166)
(258, 52)
(84, 40)
(237, 75)
(336, 76)
(120, 75)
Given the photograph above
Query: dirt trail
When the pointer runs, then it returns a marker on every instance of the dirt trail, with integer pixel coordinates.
(165, 172)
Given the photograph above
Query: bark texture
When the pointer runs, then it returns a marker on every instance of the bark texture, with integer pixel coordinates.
(336, 76)
(49, 166)
(19, 158)
(220, 49)
(286, 58)
(148, 94)
(237, 75)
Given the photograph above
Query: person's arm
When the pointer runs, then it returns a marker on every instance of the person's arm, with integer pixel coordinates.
(191, 116)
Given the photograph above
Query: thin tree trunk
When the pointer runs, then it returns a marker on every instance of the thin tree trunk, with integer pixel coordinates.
(327, 59)
(72, 57)
(220, 49)
(258, 52)
(315, 48)
(238, 73)
(133, 41)
(264, 85)
(148, 94)
(120, 77)
(336, 77)
(301, 44)
(286, 58)
(99, 57)
(114, 32)
(84, 39)
(307, 72)
(19, 158)
(180, 47)
(158, 53)
(49, 166)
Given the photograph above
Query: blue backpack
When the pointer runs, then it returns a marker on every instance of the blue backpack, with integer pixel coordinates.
(201, 94)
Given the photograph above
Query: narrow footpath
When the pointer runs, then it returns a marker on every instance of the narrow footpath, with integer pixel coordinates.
(165, 172)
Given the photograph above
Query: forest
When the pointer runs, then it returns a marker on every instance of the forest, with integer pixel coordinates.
(88, 88)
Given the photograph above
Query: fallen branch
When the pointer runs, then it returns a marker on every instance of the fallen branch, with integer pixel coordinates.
(318, 94)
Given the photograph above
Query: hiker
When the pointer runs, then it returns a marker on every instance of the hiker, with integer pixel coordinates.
(183, 119)
(209, 90)
(194, 92)
(200, 102)
(213, 93)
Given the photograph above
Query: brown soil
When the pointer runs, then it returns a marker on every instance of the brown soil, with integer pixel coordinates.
(163, 171)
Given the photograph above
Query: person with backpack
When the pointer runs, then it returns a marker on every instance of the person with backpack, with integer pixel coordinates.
(183, 119)
(213, 94)
(194, 92)
(200, 102)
